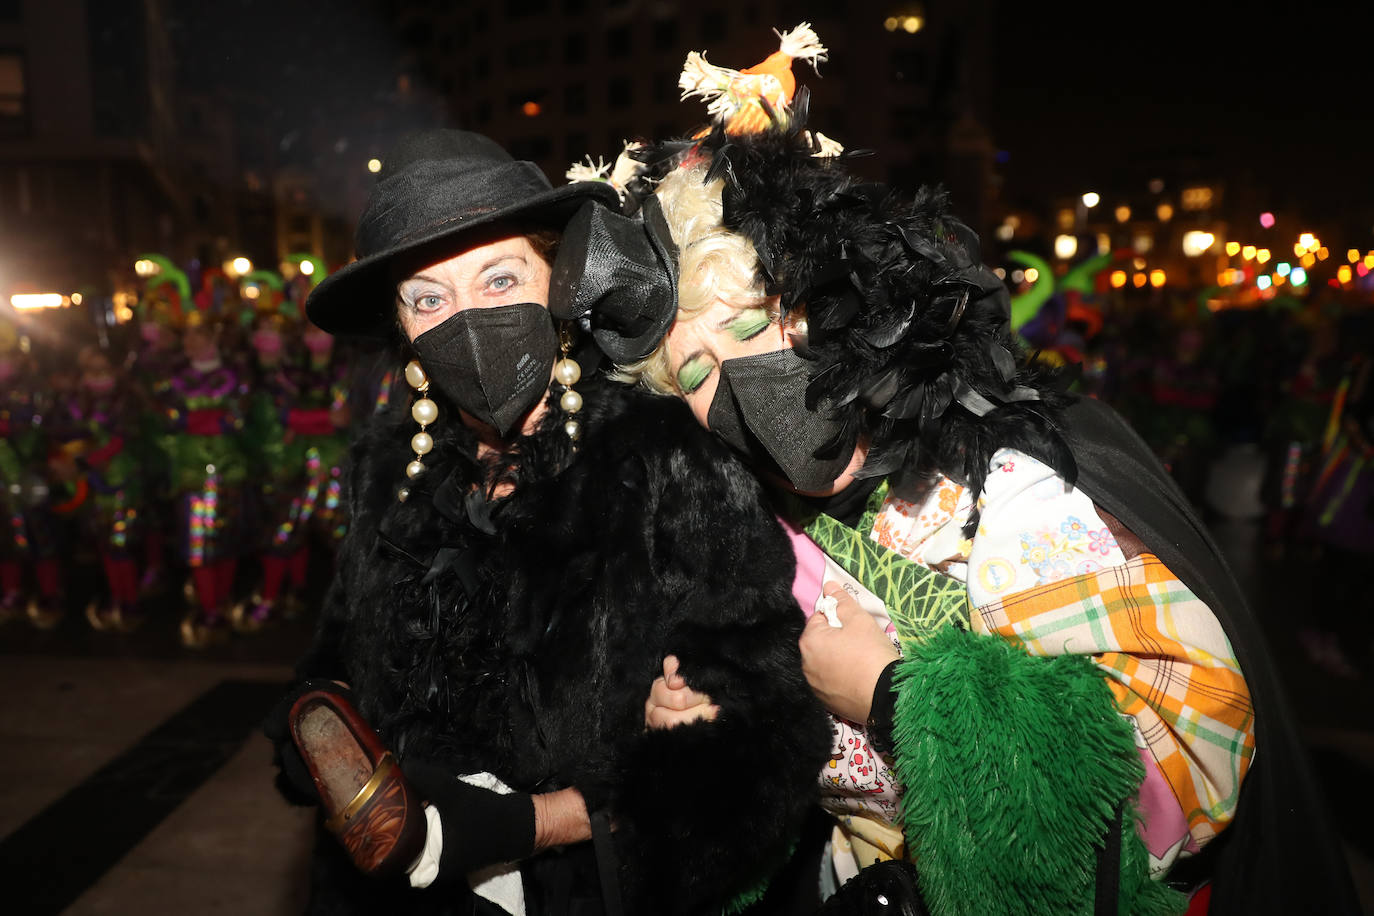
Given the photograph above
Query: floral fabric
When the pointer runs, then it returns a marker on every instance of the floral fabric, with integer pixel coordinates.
(1043, 569)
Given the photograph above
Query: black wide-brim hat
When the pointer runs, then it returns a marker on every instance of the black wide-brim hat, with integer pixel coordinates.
(433, 186)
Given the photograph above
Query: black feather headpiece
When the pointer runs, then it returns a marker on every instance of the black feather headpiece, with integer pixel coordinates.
(908, 330)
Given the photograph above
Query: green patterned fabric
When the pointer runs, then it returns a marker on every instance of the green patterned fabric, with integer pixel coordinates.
(919, 600)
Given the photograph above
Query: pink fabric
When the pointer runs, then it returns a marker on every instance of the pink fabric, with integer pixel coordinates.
(273, 571)
(1162, 823)
(300, 565)
(806, 586)
(46, 572)
(11, 576)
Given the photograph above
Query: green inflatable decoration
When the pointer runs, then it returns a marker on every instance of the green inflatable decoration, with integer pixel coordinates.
(317, 274)
(168, 272)
(1025, 306)
(265, 278)
(1082, 276)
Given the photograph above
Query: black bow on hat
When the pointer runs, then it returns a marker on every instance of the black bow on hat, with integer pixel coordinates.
(433, 186)
(620, 272)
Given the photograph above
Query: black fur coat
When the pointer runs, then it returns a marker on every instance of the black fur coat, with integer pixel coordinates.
(528, 649)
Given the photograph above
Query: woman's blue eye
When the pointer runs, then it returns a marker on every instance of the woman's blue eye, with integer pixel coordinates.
(428, 303)
(501, 283)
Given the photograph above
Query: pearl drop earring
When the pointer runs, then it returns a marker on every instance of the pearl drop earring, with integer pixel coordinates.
(566, 372)
(423, 411)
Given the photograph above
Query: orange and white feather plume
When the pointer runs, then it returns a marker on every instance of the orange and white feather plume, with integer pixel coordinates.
(737, 97)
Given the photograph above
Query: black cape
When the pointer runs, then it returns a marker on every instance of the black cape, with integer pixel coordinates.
(1280, 854)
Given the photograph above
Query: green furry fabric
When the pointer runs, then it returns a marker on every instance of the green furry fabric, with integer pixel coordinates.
(1013, 765)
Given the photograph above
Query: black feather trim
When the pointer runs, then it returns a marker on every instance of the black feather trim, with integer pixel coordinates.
(902, 313)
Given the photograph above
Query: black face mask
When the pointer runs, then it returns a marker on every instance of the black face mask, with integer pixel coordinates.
(760, 409)
(494, 362)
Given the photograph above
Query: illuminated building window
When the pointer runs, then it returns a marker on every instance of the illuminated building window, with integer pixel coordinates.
(14, 105)
(1196, 198)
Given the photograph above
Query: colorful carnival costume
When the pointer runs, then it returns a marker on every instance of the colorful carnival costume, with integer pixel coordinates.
(105, 414)
(1075, 719)
(49, 491)
(158, 359)
(204, 404)
(23, 484)
(297, 424)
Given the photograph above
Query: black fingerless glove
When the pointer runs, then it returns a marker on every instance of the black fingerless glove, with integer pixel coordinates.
(481, 827)
(294, 781)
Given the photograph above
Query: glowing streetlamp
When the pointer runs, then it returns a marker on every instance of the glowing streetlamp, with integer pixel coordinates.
(1065, 246)
(1196, 242)
(374, 166)
(1091, 199)
(24, 301)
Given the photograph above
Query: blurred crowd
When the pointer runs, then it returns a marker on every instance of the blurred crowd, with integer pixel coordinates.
(201, 453)
(1264, 416)
(191, 451)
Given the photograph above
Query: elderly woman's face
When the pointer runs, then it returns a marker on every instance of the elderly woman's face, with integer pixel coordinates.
(697, 347)
(501, 272)
(696, 350)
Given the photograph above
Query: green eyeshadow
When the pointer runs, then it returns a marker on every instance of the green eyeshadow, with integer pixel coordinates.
(693, 373)
(750, 323)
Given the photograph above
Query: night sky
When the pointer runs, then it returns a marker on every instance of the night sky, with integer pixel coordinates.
(1084, 95)
(1283, 100)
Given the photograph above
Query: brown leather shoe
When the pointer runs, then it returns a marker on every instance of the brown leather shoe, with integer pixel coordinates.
(369, 805)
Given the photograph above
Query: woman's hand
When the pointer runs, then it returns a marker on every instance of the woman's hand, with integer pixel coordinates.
(671, 702)
(842, 663)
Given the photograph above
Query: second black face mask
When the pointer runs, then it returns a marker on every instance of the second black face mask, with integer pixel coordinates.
(494, 363)
(761, 401)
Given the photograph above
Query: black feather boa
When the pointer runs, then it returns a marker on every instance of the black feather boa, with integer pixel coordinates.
(528, 649)
(908, 330)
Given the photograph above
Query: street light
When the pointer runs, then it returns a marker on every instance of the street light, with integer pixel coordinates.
(1091, 199)
(1196, 242)
(22, 301)
(1065, 246)
(374, 166)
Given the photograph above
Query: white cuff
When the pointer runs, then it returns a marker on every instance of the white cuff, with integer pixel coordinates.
(426, 868)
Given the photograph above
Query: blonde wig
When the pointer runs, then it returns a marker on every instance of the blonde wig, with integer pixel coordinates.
(715, 265)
